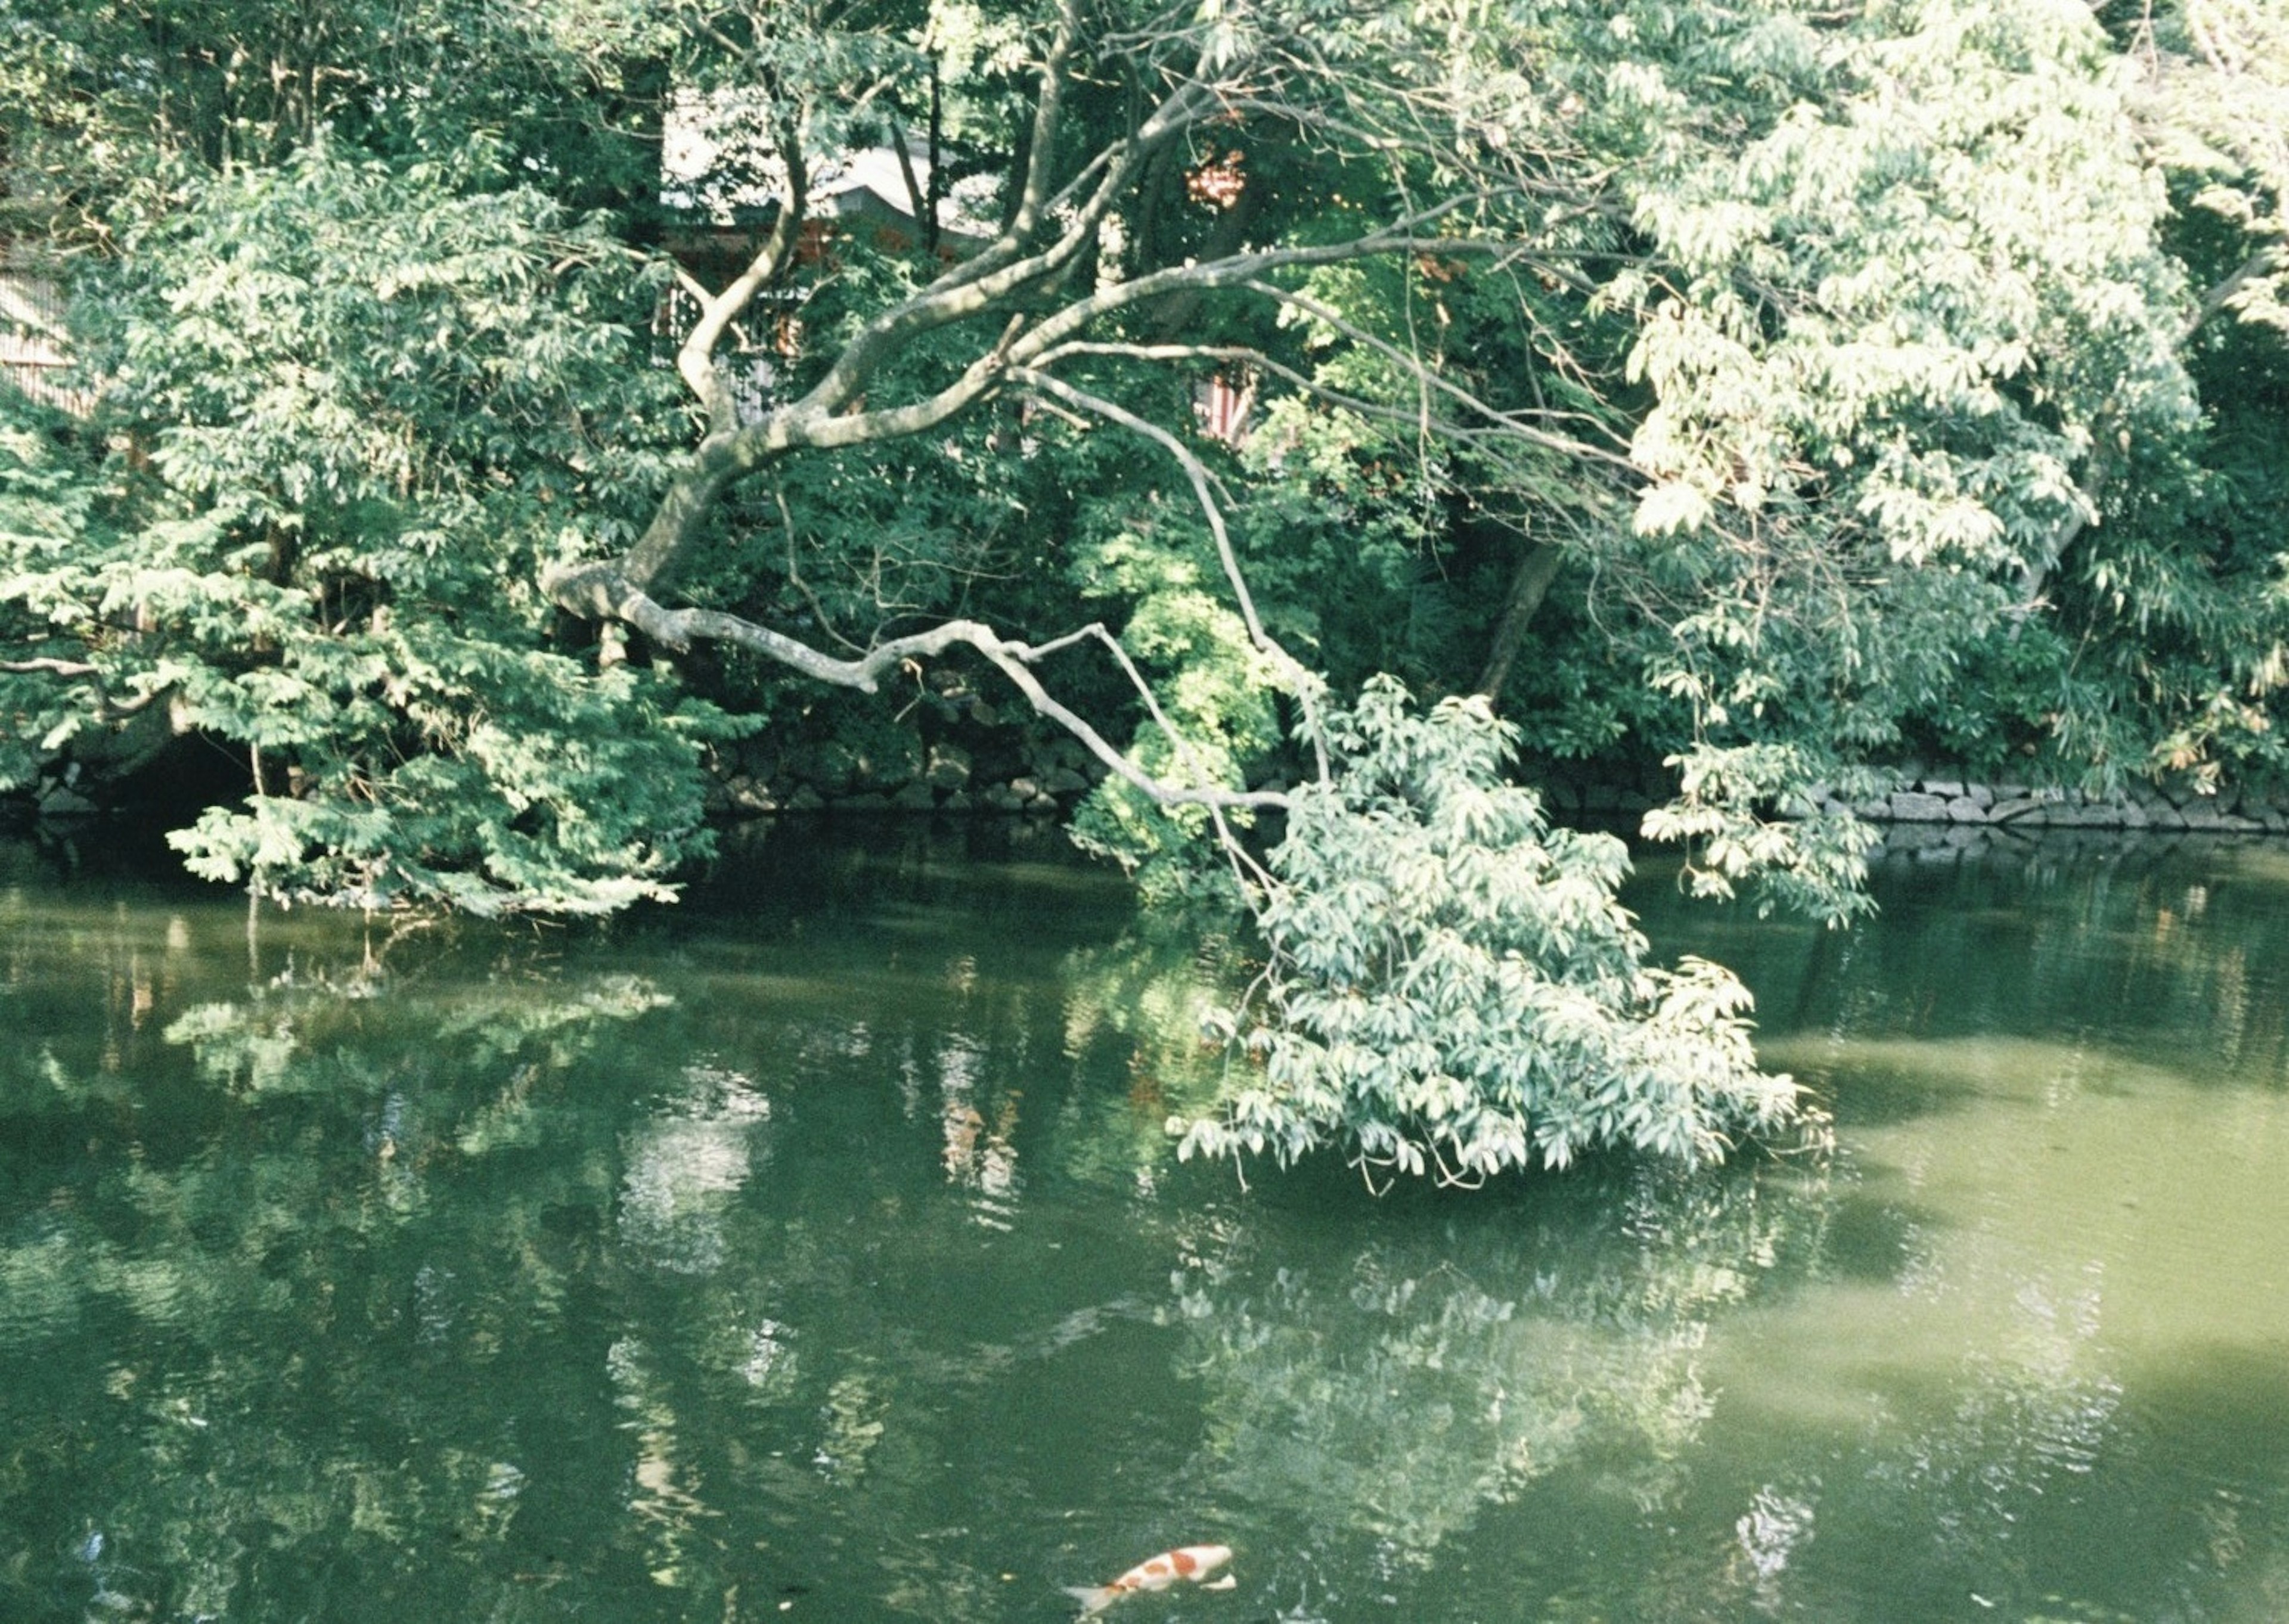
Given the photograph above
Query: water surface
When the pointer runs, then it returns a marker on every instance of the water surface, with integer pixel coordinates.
(815, 1251)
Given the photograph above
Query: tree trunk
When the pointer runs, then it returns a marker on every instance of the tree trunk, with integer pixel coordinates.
(1537, 567)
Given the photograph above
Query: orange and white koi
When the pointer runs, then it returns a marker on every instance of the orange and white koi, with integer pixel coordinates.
(1192, 1562)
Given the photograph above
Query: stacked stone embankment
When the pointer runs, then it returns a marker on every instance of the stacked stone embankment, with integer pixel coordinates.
(964, 756)
(968, 760)
(1938, 814)
(1941, 798)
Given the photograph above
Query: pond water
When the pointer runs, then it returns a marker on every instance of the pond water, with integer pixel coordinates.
(814, 1251)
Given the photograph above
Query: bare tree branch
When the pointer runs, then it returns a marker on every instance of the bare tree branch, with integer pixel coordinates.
(814, 422)
(113, 709)
(1511, 422)
(1244, 863)
(1040, 156)
(695, 359)
(1300, 679)
(1019, 280)
(965, 292)
(605, 593)
(1241, 270)
(2259, 264)
(917, 199)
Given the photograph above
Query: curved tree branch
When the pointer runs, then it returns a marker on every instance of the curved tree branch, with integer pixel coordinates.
(816, 422)
(1040, 156)
(2262, 263)
(695, 358)
(602, 591)
(1018, 280)
(72, 671)
(1303, 683)
(1241, 270)
(969, 290)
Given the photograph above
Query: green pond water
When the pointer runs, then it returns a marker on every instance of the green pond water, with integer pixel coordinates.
(814, 1251)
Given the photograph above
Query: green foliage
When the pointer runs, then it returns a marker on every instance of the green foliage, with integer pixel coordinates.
(1802, 859)
(356, 410)
(1867, 375)
(2217, 89)
(1154, 571)
(1905, 322)
(1454, 988)
(95, 100)
(1339, 550)
(45, 502)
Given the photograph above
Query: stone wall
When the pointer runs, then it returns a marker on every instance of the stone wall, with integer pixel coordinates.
(959, 759)
(1939, 797)
(965, 757)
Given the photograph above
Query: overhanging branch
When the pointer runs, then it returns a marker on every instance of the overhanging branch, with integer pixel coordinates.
(601, 591)
(1300, 681)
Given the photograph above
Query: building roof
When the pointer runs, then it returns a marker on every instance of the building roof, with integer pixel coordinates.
(719, 160)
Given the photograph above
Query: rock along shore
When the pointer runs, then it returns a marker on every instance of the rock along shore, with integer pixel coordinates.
(1925, 796)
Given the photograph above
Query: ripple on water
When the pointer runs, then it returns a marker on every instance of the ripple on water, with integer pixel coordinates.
(41, 1287)
(686, 1162)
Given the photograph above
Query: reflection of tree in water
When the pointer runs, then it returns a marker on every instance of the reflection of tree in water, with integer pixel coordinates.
(685, 1161)
(1398, 1391)
(2155, 946)
(2025, 1417)
(1460, 1388)
(425, 1273)
(1142, 1003)
(1992, 1457)
(439, 1284)
(261, 1242)
(1959, 1426)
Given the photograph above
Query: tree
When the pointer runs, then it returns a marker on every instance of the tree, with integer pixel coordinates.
(2192, 569)
(366, 445)
(1453, 988)
(1618, 360)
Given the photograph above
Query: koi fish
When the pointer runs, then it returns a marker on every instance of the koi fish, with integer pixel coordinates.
(1193, 1562)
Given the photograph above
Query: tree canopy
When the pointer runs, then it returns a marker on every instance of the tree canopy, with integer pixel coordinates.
(496, 410)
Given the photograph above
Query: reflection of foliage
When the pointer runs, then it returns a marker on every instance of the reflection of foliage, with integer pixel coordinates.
(536, 1314)
(682, 1164)
(269, 1039)
(2008, 948)
(1149, 1000)
(256, 1232)
(1399, 1390)
(421, 1278)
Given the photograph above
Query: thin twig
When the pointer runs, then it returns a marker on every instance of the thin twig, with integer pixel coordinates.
(1301, 682)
